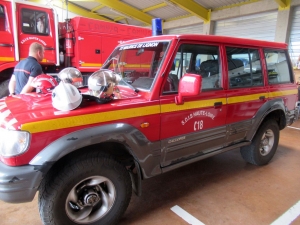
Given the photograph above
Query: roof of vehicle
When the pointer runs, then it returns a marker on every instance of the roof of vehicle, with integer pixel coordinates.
(212, 39)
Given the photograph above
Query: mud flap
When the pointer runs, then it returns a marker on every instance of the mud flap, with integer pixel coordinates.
(136, 178)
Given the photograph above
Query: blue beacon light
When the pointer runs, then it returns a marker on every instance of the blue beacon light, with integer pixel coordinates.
(156, 27)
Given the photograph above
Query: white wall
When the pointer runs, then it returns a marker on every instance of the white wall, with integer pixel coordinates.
(62, 14)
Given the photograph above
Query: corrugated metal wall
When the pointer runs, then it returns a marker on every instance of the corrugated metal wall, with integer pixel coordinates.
(259, 26)
(193, 29)
(294, 43)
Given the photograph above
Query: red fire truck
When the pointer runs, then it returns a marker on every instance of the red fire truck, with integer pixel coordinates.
(79, 42)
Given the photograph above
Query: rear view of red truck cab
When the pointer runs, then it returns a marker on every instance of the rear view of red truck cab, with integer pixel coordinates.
(178, 99)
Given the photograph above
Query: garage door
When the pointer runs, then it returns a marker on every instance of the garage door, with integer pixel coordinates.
(294, 45)
(259, 26)
(192, 29)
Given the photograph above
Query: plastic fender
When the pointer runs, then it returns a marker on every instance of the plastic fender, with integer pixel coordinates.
(263, 112)
(145, 152)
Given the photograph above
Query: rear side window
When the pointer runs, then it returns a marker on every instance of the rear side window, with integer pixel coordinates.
(277, 66)
(35, 22)
(244, 67)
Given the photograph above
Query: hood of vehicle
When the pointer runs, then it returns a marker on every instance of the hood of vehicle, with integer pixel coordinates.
(27, 108)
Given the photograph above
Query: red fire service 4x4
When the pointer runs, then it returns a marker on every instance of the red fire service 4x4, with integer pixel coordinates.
(158, 103)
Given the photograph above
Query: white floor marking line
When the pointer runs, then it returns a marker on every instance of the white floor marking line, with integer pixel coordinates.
(186, 216)
(294, 128)
(288, 216)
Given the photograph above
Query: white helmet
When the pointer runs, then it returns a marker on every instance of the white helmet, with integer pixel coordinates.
(101, 84)
(71, 75)
(66, 97)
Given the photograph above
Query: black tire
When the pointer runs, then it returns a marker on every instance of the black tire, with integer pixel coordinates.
(264, 144)
(91, 188)
(4, 89)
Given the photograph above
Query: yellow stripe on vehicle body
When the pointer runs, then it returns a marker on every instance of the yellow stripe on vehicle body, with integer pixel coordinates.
(7, 59)
(81, 120)
(246, 98)
(126, 66)
(191, 105)
(91, 65)
(67, 122)
(137, 66)
(283, 93)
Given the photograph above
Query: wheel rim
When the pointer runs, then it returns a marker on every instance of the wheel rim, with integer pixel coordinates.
(90, 199)
(267, 142)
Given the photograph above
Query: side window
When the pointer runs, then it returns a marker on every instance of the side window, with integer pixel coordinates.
(277, 66)
(197, 59)
(244, 67)
(34, 22)
(2, 19)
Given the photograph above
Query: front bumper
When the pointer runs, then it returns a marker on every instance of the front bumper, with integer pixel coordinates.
(18, 184)
(293, 115)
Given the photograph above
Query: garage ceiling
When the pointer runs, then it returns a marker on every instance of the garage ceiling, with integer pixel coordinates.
(141, 12)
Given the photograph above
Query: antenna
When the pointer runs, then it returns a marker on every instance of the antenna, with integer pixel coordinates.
(67, 19)
(67, 8)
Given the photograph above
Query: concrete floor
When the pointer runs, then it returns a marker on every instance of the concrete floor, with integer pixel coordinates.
(223, 189)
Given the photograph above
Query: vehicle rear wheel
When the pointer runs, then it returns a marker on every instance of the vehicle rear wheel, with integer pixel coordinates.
(264, 144)
(89, 189)
(4, 89)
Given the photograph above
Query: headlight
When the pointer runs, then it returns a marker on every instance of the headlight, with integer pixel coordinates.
(13, 143)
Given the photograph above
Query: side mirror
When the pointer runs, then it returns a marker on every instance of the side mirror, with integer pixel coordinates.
(140, 51)
(189, 85)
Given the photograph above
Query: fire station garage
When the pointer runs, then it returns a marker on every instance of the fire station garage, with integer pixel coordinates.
(222, 189)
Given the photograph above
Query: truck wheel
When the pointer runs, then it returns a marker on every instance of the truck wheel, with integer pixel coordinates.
(264, 144)
(4, 89)
(89, 189)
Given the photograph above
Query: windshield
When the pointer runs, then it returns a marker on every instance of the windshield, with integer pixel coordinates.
(137, 63)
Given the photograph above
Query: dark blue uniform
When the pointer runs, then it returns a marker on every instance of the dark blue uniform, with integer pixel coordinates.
(26, 68)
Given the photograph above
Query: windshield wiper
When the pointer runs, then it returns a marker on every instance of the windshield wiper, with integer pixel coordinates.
(128, 84)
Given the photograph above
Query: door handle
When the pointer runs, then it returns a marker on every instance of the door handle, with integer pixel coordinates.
(262, 98)
(49, 48)
(218, 105)
(6, 45)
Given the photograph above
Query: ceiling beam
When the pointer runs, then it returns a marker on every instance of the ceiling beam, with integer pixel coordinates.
(119, 18)
(127, 10)
(281, 3)
(151, 8)
(97, 8)
(124, 9)
(73, 8)
(194, 8)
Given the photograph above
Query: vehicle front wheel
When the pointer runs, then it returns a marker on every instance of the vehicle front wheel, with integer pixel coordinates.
(264, 144)
(89, 189)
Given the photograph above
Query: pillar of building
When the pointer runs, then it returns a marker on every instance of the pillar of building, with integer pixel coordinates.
(283, 25)
(208, 28)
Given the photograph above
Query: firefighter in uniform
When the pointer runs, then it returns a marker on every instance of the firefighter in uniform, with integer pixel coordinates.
(26, 70)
